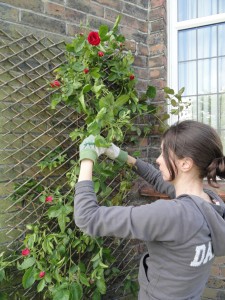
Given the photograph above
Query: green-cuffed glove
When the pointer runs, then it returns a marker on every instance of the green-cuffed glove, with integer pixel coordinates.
(116, 153)
(88, 150)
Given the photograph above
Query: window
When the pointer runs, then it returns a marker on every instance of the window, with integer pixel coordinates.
(196, 58)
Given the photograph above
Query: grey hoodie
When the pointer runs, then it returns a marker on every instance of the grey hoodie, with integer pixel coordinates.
(182, 235)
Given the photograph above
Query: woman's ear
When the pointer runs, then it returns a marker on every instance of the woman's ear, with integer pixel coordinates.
(186, 164)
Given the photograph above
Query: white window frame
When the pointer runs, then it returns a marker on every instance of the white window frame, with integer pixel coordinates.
(173, 27)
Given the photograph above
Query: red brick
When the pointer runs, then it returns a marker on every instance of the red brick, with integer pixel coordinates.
(140, 61)
(75, 16)
(142, 85)
(135, 11)
(72, 30)
(141, 73)
(157, 49)
(158, 83)
(130, 45)
(156, 3)
(157, 38)
(157, 73)
(87, 6)
(157, 25)
(95, 22)
(219, 260)
(142, 49)
(157, 61)
(34, 5)
(9, 13)
(215, 271)
(157, 13)
(55, 10)
(43, 22)
(117, 5)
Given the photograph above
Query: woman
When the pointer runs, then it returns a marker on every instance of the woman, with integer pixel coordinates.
(182, 235)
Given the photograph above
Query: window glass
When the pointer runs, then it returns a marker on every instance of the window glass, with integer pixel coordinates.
(221, 75)
(187, 77)
(221, 6)
(222, 114)
(207, 8)
(187, 9)
(207, 41)
(207, 76)
(207, 110)
(221, 39)
(187, 44)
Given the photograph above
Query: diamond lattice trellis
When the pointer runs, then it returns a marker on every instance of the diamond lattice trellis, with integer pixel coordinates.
(30, 131)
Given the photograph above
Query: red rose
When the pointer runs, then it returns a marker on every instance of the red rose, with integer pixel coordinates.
(25, 252)
(86, 70)
(41, 274)
(49, 199)
(94, 38)
(100, 53)
(131, 77)
(55, 83)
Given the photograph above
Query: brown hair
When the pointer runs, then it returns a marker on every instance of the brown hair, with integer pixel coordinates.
(198, 141)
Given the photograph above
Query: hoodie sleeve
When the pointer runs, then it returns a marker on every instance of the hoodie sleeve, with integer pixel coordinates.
(146, 222)
(153, 176)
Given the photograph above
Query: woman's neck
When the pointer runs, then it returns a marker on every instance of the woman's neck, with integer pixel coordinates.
(190, 185)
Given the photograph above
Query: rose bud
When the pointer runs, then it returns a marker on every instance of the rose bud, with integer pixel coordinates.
(41, 274)
(55, 83)
(100, 53)
(25, 252)
(49, 199)
(131, 77)
(86, 70)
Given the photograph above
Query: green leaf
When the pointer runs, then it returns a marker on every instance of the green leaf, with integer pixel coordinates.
(56, 99)
(95, 73)
(62, 294)
(180, 92)
(81, 99)
(106, 101)
(96, 295)
(53, 212)
(87, 88)
(62, 222)
(151, 92)
(100, 283)
(84, 280)
(103, 30)
(112, 77)
(41, 285)
(101, 142)
(28, 262)
(121, 100)
(115, 26)
(168, 90)
(28, 278)
(78, 45)
(76, 134)
(76, 291)
(2, 274)
(174, 103)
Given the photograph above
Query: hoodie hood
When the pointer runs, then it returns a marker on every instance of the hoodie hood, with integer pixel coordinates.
(215, 218)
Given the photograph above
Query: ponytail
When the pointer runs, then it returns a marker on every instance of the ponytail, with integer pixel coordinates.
(216, 169)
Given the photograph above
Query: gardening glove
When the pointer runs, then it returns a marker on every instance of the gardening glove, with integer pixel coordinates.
(116, 153)
(88, 150)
